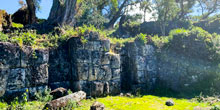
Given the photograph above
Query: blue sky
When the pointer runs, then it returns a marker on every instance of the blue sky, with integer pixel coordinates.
(12, 6)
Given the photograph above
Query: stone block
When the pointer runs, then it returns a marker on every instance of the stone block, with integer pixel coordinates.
(38, 75)
(105, 59)
(59, 65)
(115, 61)
(81, 85)
(9, 55)
(83, 56)
(140, 77)
(3, 82)
(116, 74)
(93, 73)
(105, 73)
(114, 87)
(141, 63)
(94, 36)
(97, 46)
(30, 57)
(16, 79)
(106, 45)
(97, 88)
(96, 58)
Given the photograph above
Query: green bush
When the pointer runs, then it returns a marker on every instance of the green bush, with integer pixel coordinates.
(3, 37)
(17, 25)
(44, 96)
(142, 38)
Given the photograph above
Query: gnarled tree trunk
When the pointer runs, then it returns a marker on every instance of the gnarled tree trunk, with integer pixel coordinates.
(32, 11)
(63, 12)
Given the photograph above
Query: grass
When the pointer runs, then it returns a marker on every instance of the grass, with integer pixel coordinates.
(144, 103)
(147, 102)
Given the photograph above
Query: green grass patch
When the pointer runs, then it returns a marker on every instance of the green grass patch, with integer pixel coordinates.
(144, 103)
(17, 25)
(147, 102)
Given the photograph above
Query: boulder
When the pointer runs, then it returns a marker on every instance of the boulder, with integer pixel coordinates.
(21, 16)
(97, 106)
(59, 92)
(5, 20)
(169, 103)
(64, 101)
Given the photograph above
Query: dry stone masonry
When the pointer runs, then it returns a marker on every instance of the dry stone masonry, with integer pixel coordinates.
(90, 65)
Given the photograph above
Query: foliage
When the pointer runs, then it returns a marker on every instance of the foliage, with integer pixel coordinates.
(28, 38)
(3, 37)
(44, 96)
(141, 38)
(17, 25)
(120, 41)
(131, 28)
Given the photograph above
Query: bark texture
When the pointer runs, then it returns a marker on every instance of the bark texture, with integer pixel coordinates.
(63, 12)
(32, 11)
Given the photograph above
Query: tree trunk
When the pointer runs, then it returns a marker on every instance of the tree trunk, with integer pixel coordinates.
(111, 23)
(32, 11)
(63, 12)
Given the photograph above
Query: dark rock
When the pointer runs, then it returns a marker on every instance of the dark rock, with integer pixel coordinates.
(64, 84)
(21, 16)
(114, 87)
(38, 75)
(16, 79)
(115, 61)
(169, 103)
(128, 95)
(59, 64)
(97, 106)
(9, 55)
(93, 36)
(63, 101)
(3, 82)
(88, 97)
(5, 20)
(59, 92)
(97, 89)
(106, 45)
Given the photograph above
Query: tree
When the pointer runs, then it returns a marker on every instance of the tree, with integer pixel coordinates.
(174, 11)
(166, 10)
(185, 7)
(119, 8)
(145, 6)
(32, 11)
(208, 7)
(92, 13)
(32, 6)
(63, 12)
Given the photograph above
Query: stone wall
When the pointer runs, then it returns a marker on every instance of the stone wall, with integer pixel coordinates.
(91, 66)
(139, 66)
(22, 68)
(94, 68)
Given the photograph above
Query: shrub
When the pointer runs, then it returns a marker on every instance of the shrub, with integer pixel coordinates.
(141, 38)
(17, 25)
(44, 96)
(3, 37)
(133, 28)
